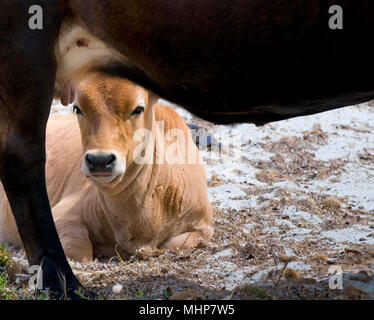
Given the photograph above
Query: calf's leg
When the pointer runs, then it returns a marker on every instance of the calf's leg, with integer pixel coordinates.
(75, 240)
(77, 246)
(185, 240)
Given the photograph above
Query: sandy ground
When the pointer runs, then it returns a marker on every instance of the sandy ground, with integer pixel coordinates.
(294, 207)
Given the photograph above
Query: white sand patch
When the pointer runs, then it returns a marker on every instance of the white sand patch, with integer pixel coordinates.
(293, 213)
(230, 196)
(225, 253)
(352, 234)
(299, 266)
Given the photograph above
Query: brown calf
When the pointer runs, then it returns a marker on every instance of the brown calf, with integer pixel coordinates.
(128, 201)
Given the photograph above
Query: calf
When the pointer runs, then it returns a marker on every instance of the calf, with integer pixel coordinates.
(146, 186)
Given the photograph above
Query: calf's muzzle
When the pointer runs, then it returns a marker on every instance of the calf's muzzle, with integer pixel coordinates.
(102, 164)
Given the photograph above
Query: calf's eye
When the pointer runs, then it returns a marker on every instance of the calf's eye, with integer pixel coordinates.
(76, 110)
(137, 110)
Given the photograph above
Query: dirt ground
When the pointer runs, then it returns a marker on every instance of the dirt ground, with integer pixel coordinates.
(294, 204)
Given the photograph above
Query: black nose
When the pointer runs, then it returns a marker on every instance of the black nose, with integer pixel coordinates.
(100, 163)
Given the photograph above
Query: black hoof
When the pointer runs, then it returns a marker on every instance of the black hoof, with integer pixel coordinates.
(68, 294)
(59, 282)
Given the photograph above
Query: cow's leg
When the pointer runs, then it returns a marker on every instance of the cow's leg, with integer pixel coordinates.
(22, 171)
(27, 76)
(25, 97)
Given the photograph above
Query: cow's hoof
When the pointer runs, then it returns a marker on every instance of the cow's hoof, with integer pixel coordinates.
(59, 283)
(74, 294)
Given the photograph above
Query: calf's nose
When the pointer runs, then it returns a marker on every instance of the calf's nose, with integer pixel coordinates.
(103, 163)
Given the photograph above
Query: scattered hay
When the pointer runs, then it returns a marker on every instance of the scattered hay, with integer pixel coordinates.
(316, 135)
(188, 294)
(320, 258)
(291, 274)
(145, 254)
(286, 259)
(331, 203)
(268, 176)
(353, 293)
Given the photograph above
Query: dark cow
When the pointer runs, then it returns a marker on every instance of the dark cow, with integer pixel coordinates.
(226, 61)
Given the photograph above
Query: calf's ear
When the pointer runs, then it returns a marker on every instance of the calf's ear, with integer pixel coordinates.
(67, 94)
(152, 98)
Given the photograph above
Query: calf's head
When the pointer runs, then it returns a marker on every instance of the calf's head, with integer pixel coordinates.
(109, 111)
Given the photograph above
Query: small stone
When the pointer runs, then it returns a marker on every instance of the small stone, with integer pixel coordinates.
(117, 288)
(360, 276)
(98, 275)
(13, 268)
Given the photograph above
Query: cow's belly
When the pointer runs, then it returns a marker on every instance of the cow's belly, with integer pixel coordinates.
(77, 53)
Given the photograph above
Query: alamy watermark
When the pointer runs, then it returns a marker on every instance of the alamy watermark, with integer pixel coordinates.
(335, 277)
(36, 280)
(335, 21)
(176, 147)
(36, 19)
